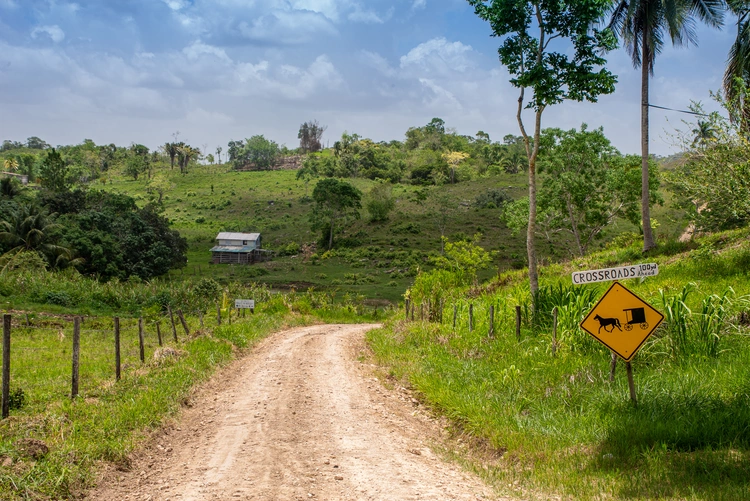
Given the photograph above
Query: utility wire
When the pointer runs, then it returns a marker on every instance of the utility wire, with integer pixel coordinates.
(679, 111)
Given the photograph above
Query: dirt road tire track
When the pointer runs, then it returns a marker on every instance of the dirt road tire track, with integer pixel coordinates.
(298, 418)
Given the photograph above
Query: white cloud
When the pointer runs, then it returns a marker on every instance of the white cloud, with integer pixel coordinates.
(286, 28)
(439, 56)
(419, 4)
(369, 16)
(329, 8)
(198, 49)
(378, 62)
(176, 4)
(441, 98)
(8, 4)
(54, 32)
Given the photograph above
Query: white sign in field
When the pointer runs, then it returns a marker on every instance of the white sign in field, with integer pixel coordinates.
(619, 273)
(244, 303)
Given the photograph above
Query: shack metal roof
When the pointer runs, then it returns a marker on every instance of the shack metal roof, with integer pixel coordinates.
(225, 235)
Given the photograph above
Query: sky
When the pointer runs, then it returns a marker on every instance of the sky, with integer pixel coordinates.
(210, 71)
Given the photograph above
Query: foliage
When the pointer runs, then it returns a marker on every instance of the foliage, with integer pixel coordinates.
(465, 259)
(115, 238)
(588, 184)
(492, 199)
(309, 135)
(552, 76)
(54, 172)
(9, 187)
(380, 202)
(335, 203)
(256, 152)
(715, 176)
(30, 229)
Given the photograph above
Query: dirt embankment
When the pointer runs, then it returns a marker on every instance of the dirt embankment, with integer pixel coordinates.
(299, 418)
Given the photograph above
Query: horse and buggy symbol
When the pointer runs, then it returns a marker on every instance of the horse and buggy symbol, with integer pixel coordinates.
(633, 316)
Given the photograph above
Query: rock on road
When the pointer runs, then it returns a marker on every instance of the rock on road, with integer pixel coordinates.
(298, 418)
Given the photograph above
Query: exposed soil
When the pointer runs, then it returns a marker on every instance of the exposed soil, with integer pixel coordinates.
(301, 417)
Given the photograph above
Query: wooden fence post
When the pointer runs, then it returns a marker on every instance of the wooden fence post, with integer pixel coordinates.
(554, 331)
(183, 322)
(407, 309)
(421, 312)
(471, 317)
(158, 333)
(412, 311)
(76, 355)
(229, 314)
(518, 323)
(492, 320)
(141, 348)
(6, 365)
(171, 318)
(218, 314)
(117, 348)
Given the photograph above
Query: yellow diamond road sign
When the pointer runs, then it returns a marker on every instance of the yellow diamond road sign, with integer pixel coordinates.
(622, 321)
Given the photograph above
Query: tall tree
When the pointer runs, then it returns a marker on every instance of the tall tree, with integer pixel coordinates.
(54, 172)
(171, 150)
(527, 28)
(309, 135)
(218, 154)
(643, 25)
(738, 65)
(335, 202)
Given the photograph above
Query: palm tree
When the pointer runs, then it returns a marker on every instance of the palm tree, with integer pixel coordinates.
(10, 164)
(644, 25)
(9, 187)
(218, 154)
(171, 150)
(703, 132)
(185, 153)
(29, 228)
(738, 66)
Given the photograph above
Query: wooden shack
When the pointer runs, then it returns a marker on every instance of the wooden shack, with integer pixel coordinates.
(238, 248)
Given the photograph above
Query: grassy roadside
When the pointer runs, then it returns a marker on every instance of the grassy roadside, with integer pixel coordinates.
(556, 427)
(51, 447)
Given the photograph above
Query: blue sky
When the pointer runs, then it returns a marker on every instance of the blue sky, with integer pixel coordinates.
(127, 71)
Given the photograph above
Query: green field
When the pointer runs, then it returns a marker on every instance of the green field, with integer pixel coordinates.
(381, 258)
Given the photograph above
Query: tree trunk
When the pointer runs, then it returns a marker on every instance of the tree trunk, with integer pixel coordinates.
(648, 237)
(531, 231)
(330, 237)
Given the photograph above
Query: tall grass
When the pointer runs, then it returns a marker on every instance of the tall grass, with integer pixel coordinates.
(559, 429)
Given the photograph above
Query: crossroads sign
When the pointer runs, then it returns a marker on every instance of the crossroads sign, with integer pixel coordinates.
(619, 273)
(622, 321)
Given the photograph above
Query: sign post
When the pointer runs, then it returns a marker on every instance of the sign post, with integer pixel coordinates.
(622, 322)
(247, 304)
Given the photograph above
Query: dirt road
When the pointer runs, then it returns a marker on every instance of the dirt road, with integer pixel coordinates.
(299, 418)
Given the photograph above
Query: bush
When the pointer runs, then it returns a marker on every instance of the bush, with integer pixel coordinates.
(60, 298)
(492, 199)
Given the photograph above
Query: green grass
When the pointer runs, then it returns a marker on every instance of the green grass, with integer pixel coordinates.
(274, 203)
(558, 427)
